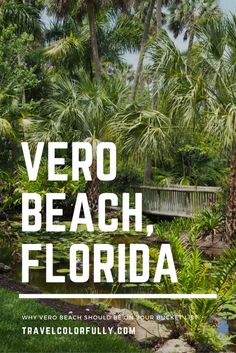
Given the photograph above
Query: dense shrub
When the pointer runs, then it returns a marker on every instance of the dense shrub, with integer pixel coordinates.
(42, 186)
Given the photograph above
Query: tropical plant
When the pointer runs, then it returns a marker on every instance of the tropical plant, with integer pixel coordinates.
(142, 48)
(195, 320)
(23, 15)
(42, 186)
(143, 134)
(19, 78)
(89, 7)
(144, 43)
(80, 111)
(203, 92)
(70, 48)
(210, 222)
(186, 15)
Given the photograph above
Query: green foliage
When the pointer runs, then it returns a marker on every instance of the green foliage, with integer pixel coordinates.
(210, 222)
(141, 132)
(196, 275)
(76, 110)
(48, 93)
(19, 76)
(186, 15)
(229, 310)
(209, 340)
(70, 42)
(199, 163)
(42, 186)
(16, 72)
(127, 176)
(25, 16)
(5, 189)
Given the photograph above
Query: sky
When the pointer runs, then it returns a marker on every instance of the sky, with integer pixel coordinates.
(226, 5)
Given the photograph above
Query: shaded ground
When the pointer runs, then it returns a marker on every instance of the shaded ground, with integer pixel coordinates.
(212, 246)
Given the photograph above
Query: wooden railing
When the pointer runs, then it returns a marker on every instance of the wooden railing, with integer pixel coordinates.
(177, 200)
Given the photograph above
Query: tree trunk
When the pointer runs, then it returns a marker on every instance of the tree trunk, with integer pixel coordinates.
(148, 170)
(142, 49)
(90, 66)
(190, 43)
(230, 226)
(93, 189)
(158, 31)
(93, 36)
(142, 88)
(158, 16)
(23, 98)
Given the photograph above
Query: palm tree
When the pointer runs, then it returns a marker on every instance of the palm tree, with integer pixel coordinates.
(202, 93)
(70, 50)
(147, 24)
(147, 27)
(88, 7)
(187, 14)
(142, 48)
(158, 16)
(222, 101)
(93, 35)
(78, 111)
(218, 97)
(25, 16)
(142, 134)
(69, 43)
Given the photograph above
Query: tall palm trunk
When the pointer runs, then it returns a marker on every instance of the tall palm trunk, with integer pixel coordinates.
(148, 166)
(158, 31)
(148, 170)
(93, 189)
(158, 16)
(93, 36)
(142, 49)
(142, 87)
(230, 229)
(190, 42)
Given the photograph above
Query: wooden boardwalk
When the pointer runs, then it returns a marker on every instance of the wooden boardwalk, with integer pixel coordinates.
(177, 200)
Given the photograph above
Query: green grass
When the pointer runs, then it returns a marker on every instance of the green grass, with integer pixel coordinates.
(12, 339)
